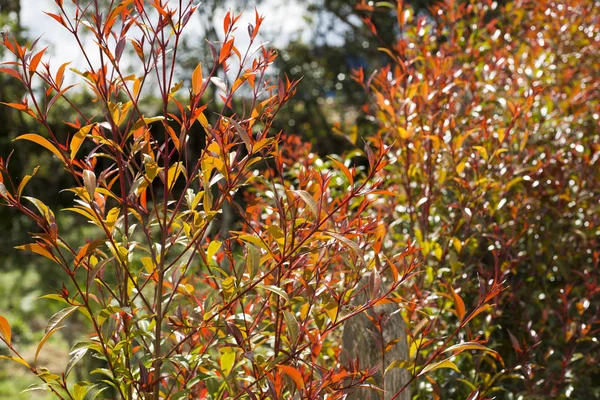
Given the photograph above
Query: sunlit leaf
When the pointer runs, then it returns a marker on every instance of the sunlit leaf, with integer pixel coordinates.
(441, 364)
(5, 329)
(32, 137)
(294, 374)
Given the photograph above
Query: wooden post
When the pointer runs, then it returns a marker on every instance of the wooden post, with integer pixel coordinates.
(363, 341)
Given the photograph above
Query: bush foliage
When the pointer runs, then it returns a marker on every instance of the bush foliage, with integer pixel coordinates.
(225, 257)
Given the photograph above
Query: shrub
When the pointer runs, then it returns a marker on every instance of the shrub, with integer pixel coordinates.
(178, 305)
(491, 118)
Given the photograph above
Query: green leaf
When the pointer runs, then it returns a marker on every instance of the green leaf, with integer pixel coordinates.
(44, 340)
(274, 289)
(347, 242)
(292, 325)
(81, 389)
(59, 317)
(76, 354)
(107, 312)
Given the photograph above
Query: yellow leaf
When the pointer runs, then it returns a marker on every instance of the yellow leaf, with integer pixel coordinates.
(16, 359)
(111, 218)
(78, 139)
(404, 134)
(24, 181)
(442, 364)
(468, 346)
(213, 247)
(38, 249)
(173, 173)
(32, 137)
(227, 359)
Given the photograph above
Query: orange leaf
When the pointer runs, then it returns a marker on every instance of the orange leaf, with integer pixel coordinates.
(5, 329)
(344, 169)
(35, 60)
(294, 374)
(225, 50)
(459, 304)
(197, 79)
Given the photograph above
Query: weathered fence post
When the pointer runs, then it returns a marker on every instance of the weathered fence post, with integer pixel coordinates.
(362, 340)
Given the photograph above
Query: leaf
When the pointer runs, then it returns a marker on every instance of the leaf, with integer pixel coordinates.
(80, 389)
(89, 182)
(477, 311)
(11, 72)
(347, 242)
(76, 355)
(32, 137)
(213, 247)
(292, 325)
(174, 171)
(459, 304)
(38, 249)
(5, 329)
(468, 346)
(106, 313)
(227, 359)
(228, 286)
(309, 200)
(242, 132)
(274, 289)
(145, 121)
(225, 50)
(26, 179)
(197, 79)
(85, 250)
(43, 341)
(474, 395)
(35, 60)
(344, 169)
(254, 240)
(407, 365)
(16, 359)
(78, 139)
(294, 374)
(59, 317)
(441, 364)
(218, 82)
